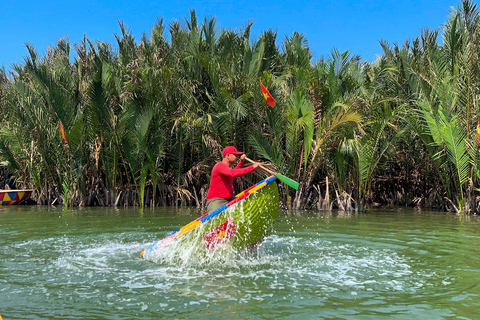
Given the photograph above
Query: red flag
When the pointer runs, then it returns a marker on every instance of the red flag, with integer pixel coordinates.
(478, 131)
(63, 132)
(268, 97)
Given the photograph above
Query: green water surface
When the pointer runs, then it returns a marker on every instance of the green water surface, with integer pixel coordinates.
(385, 264)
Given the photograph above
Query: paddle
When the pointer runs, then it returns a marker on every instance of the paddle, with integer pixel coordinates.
(280, 177)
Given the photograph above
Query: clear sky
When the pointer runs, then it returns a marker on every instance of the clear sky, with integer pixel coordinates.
(344, 24)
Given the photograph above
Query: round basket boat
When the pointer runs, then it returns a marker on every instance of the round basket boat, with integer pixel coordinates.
(11, 197)
(239, 224)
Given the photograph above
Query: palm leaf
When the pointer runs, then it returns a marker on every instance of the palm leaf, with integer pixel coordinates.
(266, 149)
(9, 148)
(454, 136)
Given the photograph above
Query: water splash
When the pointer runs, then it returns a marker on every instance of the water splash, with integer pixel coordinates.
(286, 269)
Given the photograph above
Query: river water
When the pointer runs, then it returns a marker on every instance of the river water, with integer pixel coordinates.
(60, 263)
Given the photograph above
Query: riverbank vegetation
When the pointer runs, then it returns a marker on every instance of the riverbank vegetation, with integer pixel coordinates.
(143, 123)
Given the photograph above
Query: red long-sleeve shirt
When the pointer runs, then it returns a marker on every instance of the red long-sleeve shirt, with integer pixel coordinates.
(221, 183)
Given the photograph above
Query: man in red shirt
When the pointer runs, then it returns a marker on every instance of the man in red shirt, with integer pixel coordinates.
(221, 183)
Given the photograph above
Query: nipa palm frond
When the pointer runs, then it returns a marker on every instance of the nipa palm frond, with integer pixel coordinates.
(11, 149)
(267, 149)
(7, 153)
(454, 136)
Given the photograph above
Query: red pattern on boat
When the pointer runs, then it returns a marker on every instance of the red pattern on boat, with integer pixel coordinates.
(220, 234)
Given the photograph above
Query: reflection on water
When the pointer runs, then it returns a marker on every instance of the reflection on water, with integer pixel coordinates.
(86, 264)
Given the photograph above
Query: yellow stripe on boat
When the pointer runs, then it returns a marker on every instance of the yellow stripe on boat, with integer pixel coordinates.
(189, 227)
(260, 186)
(240, 194)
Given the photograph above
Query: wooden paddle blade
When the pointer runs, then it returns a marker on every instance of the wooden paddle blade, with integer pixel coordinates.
(280, 177)
(287, 181)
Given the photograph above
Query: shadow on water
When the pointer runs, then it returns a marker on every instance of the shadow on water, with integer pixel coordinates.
(86, 263)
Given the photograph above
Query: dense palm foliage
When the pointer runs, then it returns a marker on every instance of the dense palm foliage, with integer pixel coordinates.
(145, 123)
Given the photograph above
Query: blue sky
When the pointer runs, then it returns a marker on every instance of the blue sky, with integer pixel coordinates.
(347, 25)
